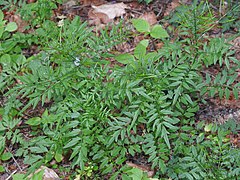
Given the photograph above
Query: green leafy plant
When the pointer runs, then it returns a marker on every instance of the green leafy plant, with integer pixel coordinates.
(36, 13)
(97, 116)
(177, 79)
(135, 174)
(4, 156)
(11, 5)
(11, 60)
(231, 18)
(145, 1)
(156, 31)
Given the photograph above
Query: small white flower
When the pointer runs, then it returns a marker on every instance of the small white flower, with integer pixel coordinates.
(77, 61)
(61, 17)
(61, 23)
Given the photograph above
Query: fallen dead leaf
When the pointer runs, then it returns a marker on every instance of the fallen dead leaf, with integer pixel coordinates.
(20, 23)
(111, 10)
(159, 45)
(137, 39)
(93, 2)
(124, 47)
(150, 17)
(97, 18)
(69, 4)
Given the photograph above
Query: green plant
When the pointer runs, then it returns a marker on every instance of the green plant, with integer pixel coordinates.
(4, 156)
(167, 115)
(194, 22)
(135, 174)
(146, 1)
(97, 116)
(11, 60)
(73, 87)
(156, 31)
(231, 18)
(36, 13)
(11, 5)
(9, 134)
(4, 33)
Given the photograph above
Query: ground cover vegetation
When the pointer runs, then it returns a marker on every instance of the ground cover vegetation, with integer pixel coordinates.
(95, 117)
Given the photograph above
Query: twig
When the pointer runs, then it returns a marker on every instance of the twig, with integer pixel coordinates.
(11, 175)
(132, 10)
(15, 160)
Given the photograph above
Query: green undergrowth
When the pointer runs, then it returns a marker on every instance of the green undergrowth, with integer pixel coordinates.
(96, 117)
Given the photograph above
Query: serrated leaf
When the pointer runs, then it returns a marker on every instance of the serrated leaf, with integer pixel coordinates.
(227, 93)
(6, 156)
(12, 26)
(177, 93)
(134, 83)
(18, 176)
(2, 143)
(162, 166)
(170, 126)
(232, 79)
(146, 96)
(144, 42)
(235, 93)
(5, 60)
(125, 177)
(134, 119)
(208, 127)
(194, 151)
(125, 58)
(165, 137)
(41, 149)
(139, 51)
(151, 150)
(135, 173)
(158, 32)
(141, 25)
(175, 83)
(200, 137)
(1, 31)
(73, 142)
(171, 120)
(58, 157)
(1, 16)
(2, 169)
(129, 95)
(34, 121)
(188, 98)
(75, 115)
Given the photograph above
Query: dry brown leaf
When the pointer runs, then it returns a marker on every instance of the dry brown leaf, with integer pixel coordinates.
(98, 18)
(111, 10)
(150, 17)
(69, 4)
(124, 47)
(93, 2)
(20, 23)
(159, 45)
